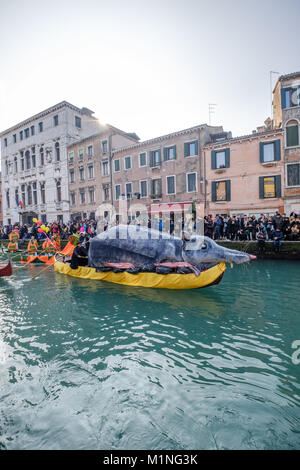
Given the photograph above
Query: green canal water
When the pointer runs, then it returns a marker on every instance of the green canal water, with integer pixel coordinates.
(91, 365)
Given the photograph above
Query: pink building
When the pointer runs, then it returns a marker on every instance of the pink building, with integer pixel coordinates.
(245, 175)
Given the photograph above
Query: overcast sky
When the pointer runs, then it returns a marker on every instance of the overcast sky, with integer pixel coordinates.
(147, 66)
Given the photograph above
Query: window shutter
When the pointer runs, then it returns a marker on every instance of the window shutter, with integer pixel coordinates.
(159, 188)
(227, 158)
(261, 152)
(292, 136)
(228, 190)
(277, 150)
(152, 186)
(174, 152)
(261, 188)
(278, 186)
(186, 149)
(213, 160)
(196, 146)
(213, 191)
(283, 103)
(165, 154)
(151, 158)
(159, 156)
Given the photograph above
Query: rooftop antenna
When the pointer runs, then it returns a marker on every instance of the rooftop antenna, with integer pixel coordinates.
(211, 110)
(271, 89)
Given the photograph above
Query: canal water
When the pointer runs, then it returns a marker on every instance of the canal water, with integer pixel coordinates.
(92, 365)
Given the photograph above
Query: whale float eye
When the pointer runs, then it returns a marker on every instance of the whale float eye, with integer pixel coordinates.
(203, 246)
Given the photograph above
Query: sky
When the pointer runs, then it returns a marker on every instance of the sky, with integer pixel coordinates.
(150, 67)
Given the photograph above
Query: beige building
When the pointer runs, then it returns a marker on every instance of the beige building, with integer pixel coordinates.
(89, 172)
(245, 175)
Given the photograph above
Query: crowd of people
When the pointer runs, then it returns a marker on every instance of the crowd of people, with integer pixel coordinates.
(235, 228)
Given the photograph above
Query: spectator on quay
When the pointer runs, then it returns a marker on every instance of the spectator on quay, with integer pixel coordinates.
(261, 239)
(277, 239)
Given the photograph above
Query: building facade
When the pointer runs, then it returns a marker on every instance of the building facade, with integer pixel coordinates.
(1, 206)
(89, 162)
(164, 174)
(245, 175)
(35, 166)
(286, 112)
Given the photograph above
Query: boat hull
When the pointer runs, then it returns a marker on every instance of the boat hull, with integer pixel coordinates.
(159, 281)
(6, 270)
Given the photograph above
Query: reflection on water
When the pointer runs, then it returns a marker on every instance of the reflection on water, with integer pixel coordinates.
(95, 365)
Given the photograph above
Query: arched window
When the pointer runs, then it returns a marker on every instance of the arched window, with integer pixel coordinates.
(7, 199)
(6, 167)
(57, 152)
(22, 160)
(42, 156)
(292, 133)
(15, 165)
(27, 158)
(33, 157)
(29, 195)
(58, 191)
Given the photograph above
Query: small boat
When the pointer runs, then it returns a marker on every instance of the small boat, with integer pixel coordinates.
(173, 281)
(6, 270)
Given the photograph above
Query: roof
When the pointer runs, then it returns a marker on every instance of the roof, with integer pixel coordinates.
(244, 137)
(289, 75)
(40, 115)
(131, 136)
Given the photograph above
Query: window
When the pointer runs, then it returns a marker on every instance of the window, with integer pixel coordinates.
(78, 122)
(6, 167)
(105, 168)
(73, 198)
(90, 172)
(117, 165)
(58, 191)
(220, 159)
(156, 190)
(104, 145)
(32, 130)
(27, 158)
(269, 186)
(22, 160)
(155, 158)
(82, 196)
(15, 165)
(143, 159)
(144, 189)
(21, 135)
(55, 120)
(90, 151)
(293, 174)
(72, 176)
(127, 163)
(33, 160)
(29, 195)
(71, 157)
(292, 134)
(40, 127)
(270, 151)
(5, 142)
(290, 97)
(128, 188)
(80, 154)
(15, 138)
(7, 199)
(170, 153)
(81, 173)
(17, 197)
(34, 193)
(92, 195)
(42, 162)
(191, 148)
(221, 191)
(191, 182)
(105, 192)
(26, 132)
(118, 191)
(170, 184)
(43, 195)
(57, 152)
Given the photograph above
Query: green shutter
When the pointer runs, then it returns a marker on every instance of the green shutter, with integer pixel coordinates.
(261, 188)
(278, 186)
(292, 136)
(261, 152)
(152, 186)
(174, 152)
(196, 147)
(277, 150)
(227, 158)
(213, 191)
(186, 149)
(213, 160)
(228, 190)
(283, 103)
(165, 154)
(151, 158)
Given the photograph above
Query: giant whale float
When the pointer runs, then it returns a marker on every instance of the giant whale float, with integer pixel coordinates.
(138, 256)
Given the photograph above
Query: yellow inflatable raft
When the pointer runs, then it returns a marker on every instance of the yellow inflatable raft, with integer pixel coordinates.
(161, 281)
